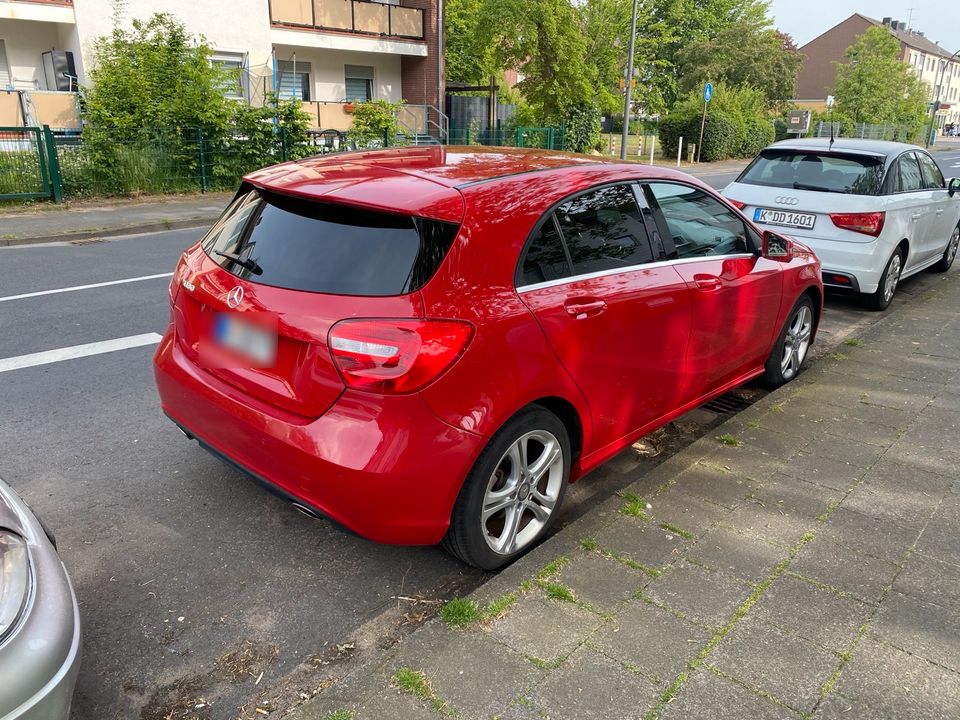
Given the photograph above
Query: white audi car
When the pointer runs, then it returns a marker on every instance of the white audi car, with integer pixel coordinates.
(874, 212)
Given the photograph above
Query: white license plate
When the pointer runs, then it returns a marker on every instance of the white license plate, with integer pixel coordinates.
(784, 218)
(252, 341)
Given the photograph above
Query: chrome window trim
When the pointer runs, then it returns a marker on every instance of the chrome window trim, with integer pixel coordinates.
(631, 268)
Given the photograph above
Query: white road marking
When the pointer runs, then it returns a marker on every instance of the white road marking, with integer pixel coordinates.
(78, 351)
(84, 287)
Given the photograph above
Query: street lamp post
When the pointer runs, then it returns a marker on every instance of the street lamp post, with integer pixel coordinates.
(936, 102)
(626, 99)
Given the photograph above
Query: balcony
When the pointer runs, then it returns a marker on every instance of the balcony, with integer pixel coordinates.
(54, 11)
(349, 16)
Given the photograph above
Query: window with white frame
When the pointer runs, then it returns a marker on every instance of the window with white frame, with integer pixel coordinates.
(233, 65)
(293, 80)
(358, 80)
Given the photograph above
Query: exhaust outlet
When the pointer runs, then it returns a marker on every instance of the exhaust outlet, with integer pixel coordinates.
(305, 510)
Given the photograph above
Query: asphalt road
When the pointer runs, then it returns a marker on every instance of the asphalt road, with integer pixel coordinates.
(192, 579)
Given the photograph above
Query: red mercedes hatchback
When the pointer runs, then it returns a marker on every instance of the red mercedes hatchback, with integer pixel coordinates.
(428, 344)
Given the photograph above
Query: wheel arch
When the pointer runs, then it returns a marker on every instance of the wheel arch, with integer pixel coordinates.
(568, 415)
(816, 296)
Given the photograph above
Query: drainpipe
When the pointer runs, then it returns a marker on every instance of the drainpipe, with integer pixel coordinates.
(440, 31)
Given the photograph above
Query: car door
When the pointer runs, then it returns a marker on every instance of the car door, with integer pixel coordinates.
(737, 293)
(909, 207)
(617, 319)
(946, 210)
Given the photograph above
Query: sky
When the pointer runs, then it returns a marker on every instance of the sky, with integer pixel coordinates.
(806, 19)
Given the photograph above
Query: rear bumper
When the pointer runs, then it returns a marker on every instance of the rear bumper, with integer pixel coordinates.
(863, 262)
(39, 662)
(386, 468)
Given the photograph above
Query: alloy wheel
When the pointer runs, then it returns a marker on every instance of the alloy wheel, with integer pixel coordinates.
(522, 493)
(953, 245)
(796, 342)
(893, 277)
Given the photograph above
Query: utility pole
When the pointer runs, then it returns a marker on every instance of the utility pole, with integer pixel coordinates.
(626, 99)
(936, 102)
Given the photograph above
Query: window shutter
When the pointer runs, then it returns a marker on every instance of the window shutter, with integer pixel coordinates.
(5, 79)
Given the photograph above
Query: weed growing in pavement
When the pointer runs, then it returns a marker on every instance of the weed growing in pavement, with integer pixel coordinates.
(589, 544)
(460, 612)
(753, 424)
(559, 591)
(676, 531)
(728, 439)
(634, 506)
(854, 342)
(412, 682)
(552, 568)
(838, 356)
(498, 607)
(340, 715)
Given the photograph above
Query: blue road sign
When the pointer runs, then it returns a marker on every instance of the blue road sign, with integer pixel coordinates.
(707, 92)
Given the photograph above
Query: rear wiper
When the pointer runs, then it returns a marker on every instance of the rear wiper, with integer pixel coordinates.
(802, 186)
(247, 263)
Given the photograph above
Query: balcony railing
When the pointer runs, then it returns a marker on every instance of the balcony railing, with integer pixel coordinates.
(355, 16)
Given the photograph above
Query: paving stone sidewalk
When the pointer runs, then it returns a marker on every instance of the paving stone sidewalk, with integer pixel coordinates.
(75, 221)
(807, 565)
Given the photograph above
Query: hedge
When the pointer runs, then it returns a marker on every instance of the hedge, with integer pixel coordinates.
(724, 136)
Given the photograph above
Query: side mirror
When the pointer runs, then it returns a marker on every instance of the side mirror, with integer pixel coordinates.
(777, 247)
(953, 186)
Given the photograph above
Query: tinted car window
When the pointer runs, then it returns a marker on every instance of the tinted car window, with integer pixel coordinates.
(932, 177)
(323, 247)
(699, 224)
(910, 177)
(603, 230)
(826, 172)
(545, 258)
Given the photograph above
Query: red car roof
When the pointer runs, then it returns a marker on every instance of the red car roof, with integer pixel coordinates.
(424, 180)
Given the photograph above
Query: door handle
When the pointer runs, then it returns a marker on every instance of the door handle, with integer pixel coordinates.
(581, 309)
(940, 211)
(707, 282)
(916, 216)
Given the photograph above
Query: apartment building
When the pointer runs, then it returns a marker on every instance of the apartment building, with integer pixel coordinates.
(326, 53)
(928, 59)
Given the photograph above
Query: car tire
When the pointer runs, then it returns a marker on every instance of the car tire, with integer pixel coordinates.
(520, 497)
(949, 252)
(887, 288)
(792, 346)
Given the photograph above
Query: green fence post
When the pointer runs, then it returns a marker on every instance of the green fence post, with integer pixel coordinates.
(284, 151)
(203, 160)
(519, 137)
(550, 139)
(53, 163)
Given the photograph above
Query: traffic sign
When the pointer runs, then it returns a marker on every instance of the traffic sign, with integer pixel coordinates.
(707, 92)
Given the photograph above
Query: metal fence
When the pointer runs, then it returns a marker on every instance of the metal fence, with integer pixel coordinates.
(901, 133)
(35, 163)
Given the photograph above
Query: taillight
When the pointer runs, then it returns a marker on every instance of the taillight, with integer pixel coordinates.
(737, 204)
(396, 356)
(178, 273)
(866, 223)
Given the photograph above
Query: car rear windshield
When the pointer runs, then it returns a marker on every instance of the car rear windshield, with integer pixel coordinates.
(826, 172)
(287, 242)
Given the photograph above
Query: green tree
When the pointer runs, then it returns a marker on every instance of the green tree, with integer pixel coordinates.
(875, 86)
(467, 59)
(541, 39)
(743, 54)
(155, 74)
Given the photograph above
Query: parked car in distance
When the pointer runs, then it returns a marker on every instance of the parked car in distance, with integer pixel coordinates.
(39, 619)
(873, 212)
(426, 344)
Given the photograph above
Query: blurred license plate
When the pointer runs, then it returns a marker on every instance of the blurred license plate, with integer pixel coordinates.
(255, 342)
(784, 218)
